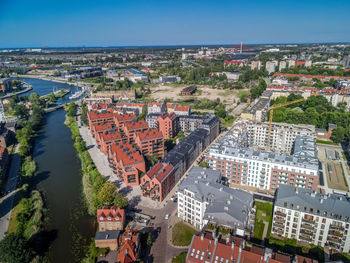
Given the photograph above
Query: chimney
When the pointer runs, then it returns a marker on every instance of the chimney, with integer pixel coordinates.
(202, 236)
(227, 238)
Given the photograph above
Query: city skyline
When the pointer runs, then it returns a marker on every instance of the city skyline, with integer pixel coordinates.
(106, 24)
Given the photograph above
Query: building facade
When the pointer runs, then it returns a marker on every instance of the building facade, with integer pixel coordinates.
(307, 216)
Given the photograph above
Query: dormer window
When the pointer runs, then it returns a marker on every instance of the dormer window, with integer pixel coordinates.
(102, 218)
(109, 218)
(117, 218)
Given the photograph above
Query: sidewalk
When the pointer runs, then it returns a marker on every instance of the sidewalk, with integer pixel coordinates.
(7, 204)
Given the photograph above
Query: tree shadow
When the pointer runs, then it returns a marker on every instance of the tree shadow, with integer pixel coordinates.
(41, 242)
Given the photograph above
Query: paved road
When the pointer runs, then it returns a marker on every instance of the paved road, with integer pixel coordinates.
(7, 203)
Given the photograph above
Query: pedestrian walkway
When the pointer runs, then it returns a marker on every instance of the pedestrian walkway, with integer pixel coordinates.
(7, 203)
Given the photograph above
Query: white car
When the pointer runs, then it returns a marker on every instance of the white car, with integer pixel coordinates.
(166, 216)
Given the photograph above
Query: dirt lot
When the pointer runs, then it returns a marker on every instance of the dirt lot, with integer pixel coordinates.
(228, 97)
(335, 178)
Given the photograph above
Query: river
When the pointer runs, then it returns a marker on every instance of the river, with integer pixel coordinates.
(59, 177)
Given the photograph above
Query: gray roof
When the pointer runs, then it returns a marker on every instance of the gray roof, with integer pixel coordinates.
(226, 205)
(107, 235)
(305, 200)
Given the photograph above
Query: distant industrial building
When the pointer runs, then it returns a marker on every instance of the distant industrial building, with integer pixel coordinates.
(169, 79)
(188, 91)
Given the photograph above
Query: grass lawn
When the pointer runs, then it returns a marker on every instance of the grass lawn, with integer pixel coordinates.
(13, 224)
(263, 213)
(180, 258)
(326, 142)
(182, 234)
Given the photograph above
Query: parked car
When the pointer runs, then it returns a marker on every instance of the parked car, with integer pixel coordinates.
(166, 216)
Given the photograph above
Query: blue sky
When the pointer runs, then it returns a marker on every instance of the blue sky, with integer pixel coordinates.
(53, 23)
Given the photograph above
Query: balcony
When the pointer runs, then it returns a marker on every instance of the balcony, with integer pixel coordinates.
(333, 244)
(277, 224)
(279, 213)
(306, 232)
(336, 234)
(154, 189)
(308, 220)
(336, 227)
(279, 220)
(305, 238)
(307, 226)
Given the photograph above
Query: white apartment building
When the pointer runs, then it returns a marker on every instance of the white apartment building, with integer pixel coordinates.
(202, 200)
(271, 66)
(266, 170)
(282, 135)
(307, 216)
(283, 65)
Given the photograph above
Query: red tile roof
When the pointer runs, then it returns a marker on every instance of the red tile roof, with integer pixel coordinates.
(166, 115)
(126, 153)
(182, 108)
(95, 115)
(136, 125)
(110, 135)
(151, 104)
(309, 76)
(112, 214)
(125, 117)
(103, 126)
(128, 250)
(149, 134)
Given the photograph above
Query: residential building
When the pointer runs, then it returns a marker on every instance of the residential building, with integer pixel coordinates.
(100, 128)
(5, 84)
(182, 110)
(110, 218)
(151, 119)
(168, 124)
(171, 107)
(130, 247)
(283, 65)
(131, 128)
(258, 110)
(255, 65)
(266, 170)
(203, 200)
(95, 117)
(271, 66)
(212, 124)
(150, 142)
(188, 91)
(121, 119)
(162, 177)
(190, 123)
(107, 239)
(127, 163)
(156, 107)
(207, 247)
(107, 138)
(282, 135)
(158, 181)
(6, 135)
(318, 219)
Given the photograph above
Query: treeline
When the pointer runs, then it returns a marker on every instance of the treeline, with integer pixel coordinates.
(316, 70)
(21, 244)
(316, 110)
(97, 191)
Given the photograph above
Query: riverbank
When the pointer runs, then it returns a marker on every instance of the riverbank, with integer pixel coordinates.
(29, 87)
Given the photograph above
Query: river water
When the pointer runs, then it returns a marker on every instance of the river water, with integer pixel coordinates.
(59, 177)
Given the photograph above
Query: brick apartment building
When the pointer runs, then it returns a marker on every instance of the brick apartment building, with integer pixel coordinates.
(150, 142)
(131, 128)
(96, 129)
(168, 125)
(130, 247)
(111, 218)
(95, 117)
(127, 163)
(158, 181)
(107, 138)
(121, 119)
(188, 91)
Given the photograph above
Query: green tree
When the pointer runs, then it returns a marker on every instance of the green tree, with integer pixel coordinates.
(120, 200)
(71, 109)
(14, 249)
(149, 239)
(84, 111)
(180, 136)
(338, 134)
(21, 111)
(106, 194)
(204, 164)
(34, 99)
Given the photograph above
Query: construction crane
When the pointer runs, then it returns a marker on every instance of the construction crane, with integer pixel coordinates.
(272, 108)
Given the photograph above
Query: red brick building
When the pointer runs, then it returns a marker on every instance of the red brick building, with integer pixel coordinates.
(158, 181)
(168, 124)
(121, 119)
(129, 247)
(96, 117)
(111, 218)
(188, 91)
(205, 247)
(150, 142)
(131, 128)
(127, 163)
(100, 128)
(107, 138)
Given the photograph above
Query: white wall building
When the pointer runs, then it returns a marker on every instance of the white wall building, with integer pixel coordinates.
(307, 216)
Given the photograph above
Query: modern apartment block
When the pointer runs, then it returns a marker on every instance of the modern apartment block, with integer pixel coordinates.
(151, 119)
(168, 125)
(127, 163)
(150, 142)
(314, 218)
(162, 177)
(266, 170)
(203, 200)
(282, 135)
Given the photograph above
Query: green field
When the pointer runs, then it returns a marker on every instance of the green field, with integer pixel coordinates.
(182, 234)
(263, 213)
(180, 258)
